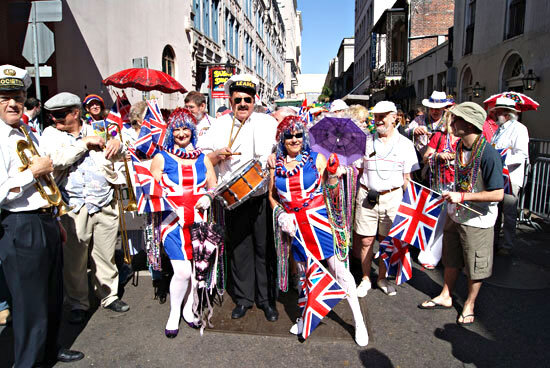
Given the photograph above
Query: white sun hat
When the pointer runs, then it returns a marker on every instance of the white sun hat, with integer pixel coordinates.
(437, 100)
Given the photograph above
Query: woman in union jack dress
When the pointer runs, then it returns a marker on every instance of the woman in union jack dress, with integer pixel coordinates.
(184, 173)
(296, 186)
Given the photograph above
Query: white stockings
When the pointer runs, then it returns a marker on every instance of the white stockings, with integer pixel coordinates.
(344, 277)
(180, 289)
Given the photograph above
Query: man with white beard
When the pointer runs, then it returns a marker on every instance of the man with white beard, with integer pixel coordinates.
(513, 135)
(385, 172)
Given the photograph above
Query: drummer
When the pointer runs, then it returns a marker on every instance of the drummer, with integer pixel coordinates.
(234, 140)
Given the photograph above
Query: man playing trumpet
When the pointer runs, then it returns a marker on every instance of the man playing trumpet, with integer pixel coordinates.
(85, 174)
(30, 236)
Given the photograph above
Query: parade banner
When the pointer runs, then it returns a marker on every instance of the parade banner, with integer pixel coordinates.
(218, 77)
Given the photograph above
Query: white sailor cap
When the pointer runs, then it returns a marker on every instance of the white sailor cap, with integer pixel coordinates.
(62, 101)
(13, 78)
(241, 82)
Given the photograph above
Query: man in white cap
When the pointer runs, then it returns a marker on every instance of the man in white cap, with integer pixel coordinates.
(252, 135)
(385, 172)
(85, 174)
(422, 127)
(338, 106)
(31, 240)
(511, 135)
(468, 235)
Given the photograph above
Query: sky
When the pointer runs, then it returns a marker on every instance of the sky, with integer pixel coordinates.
(326, 23)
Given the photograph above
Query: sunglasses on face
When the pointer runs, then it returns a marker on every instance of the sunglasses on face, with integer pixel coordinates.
(289, 135)
(59, 115)
(238, 100)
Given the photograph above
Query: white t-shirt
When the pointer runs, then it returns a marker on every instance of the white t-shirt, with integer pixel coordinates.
(385, 163)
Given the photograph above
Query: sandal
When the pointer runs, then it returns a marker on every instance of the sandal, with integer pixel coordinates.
(434, 305)
(462, 323)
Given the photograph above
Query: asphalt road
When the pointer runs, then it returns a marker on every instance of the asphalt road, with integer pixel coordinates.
(511, 330)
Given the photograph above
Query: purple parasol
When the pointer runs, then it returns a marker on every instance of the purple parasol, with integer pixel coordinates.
(340, 136)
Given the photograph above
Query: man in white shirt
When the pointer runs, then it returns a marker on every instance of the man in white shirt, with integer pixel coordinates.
(92, 225)
(252, 135)
(31, 238)
(385, 172)
(513, 135)
(196, 103)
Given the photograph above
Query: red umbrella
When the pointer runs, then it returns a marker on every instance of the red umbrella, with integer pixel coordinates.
(144, 79)
(523, 102)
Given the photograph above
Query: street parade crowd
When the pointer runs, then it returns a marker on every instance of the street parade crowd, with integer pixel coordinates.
(214, 197)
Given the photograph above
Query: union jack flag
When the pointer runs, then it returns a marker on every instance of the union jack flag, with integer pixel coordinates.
(505, 172)
(153, 131)
(320, 293)
(150, 195)
(304, 114)
(416, 216)
(119, 114)
(397, 258)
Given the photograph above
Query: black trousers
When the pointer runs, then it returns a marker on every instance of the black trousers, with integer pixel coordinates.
(247, 244)
(30, 249)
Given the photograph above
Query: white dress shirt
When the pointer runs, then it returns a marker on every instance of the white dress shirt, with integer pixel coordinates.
(513, 135)
(255, 140)
(17, 190)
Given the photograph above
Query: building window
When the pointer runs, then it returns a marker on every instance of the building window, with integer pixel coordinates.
(215, 14)
(516, 18)
(470, 23)
(512, 74)
(420, 90)
(430, 86)
(466, 85)
(441, 81)
(236, 40)
(197, 11)
(168, 61)
(206, 17)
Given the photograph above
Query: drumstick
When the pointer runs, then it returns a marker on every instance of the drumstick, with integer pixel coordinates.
(230, 153)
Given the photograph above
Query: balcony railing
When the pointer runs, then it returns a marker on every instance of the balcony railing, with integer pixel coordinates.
(395, 69)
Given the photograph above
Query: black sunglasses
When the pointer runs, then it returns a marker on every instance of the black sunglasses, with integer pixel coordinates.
(238, 100)
(289, 135)
(58, 115)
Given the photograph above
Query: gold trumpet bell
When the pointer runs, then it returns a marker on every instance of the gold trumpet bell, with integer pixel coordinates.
(131, 207)
(63, 208)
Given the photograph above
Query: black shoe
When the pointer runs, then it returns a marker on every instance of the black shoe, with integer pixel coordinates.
(77, 316)
(118, 306)
(66, 355)
(270, 312)
(239, 311)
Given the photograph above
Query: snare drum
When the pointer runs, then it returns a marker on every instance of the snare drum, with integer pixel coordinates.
(244, 183)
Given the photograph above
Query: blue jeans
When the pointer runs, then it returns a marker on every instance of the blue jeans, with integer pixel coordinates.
(4, 292)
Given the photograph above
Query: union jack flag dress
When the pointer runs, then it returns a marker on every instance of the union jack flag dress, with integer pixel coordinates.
(301, 196)
(185, 185)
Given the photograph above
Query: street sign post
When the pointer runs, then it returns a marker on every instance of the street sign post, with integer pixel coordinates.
(39, 41)
(45, 71)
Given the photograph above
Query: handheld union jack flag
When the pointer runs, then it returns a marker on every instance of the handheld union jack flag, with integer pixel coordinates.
(153, 131)
(150, 195)
(304, 114)
(397, 258)
(505, 172)
(119, 114)
(320, 293)
(416, 216)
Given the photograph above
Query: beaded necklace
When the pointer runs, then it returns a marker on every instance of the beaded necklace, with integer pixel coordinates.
(281, 170)
(466, 172)
(282, 245)
(183, 154)
(339, 201)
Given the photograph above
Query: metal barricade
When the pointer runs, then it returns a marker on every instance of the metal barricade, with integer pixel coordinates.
(539, 203)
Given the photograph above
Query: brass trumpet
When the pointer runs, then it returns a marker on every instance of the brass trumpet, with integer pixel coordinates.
(132, 203)
(54, 198)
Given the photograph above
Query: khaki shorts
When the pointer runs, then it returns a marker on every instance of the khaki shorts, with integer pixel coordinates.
(372, 220)
(468, 247)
